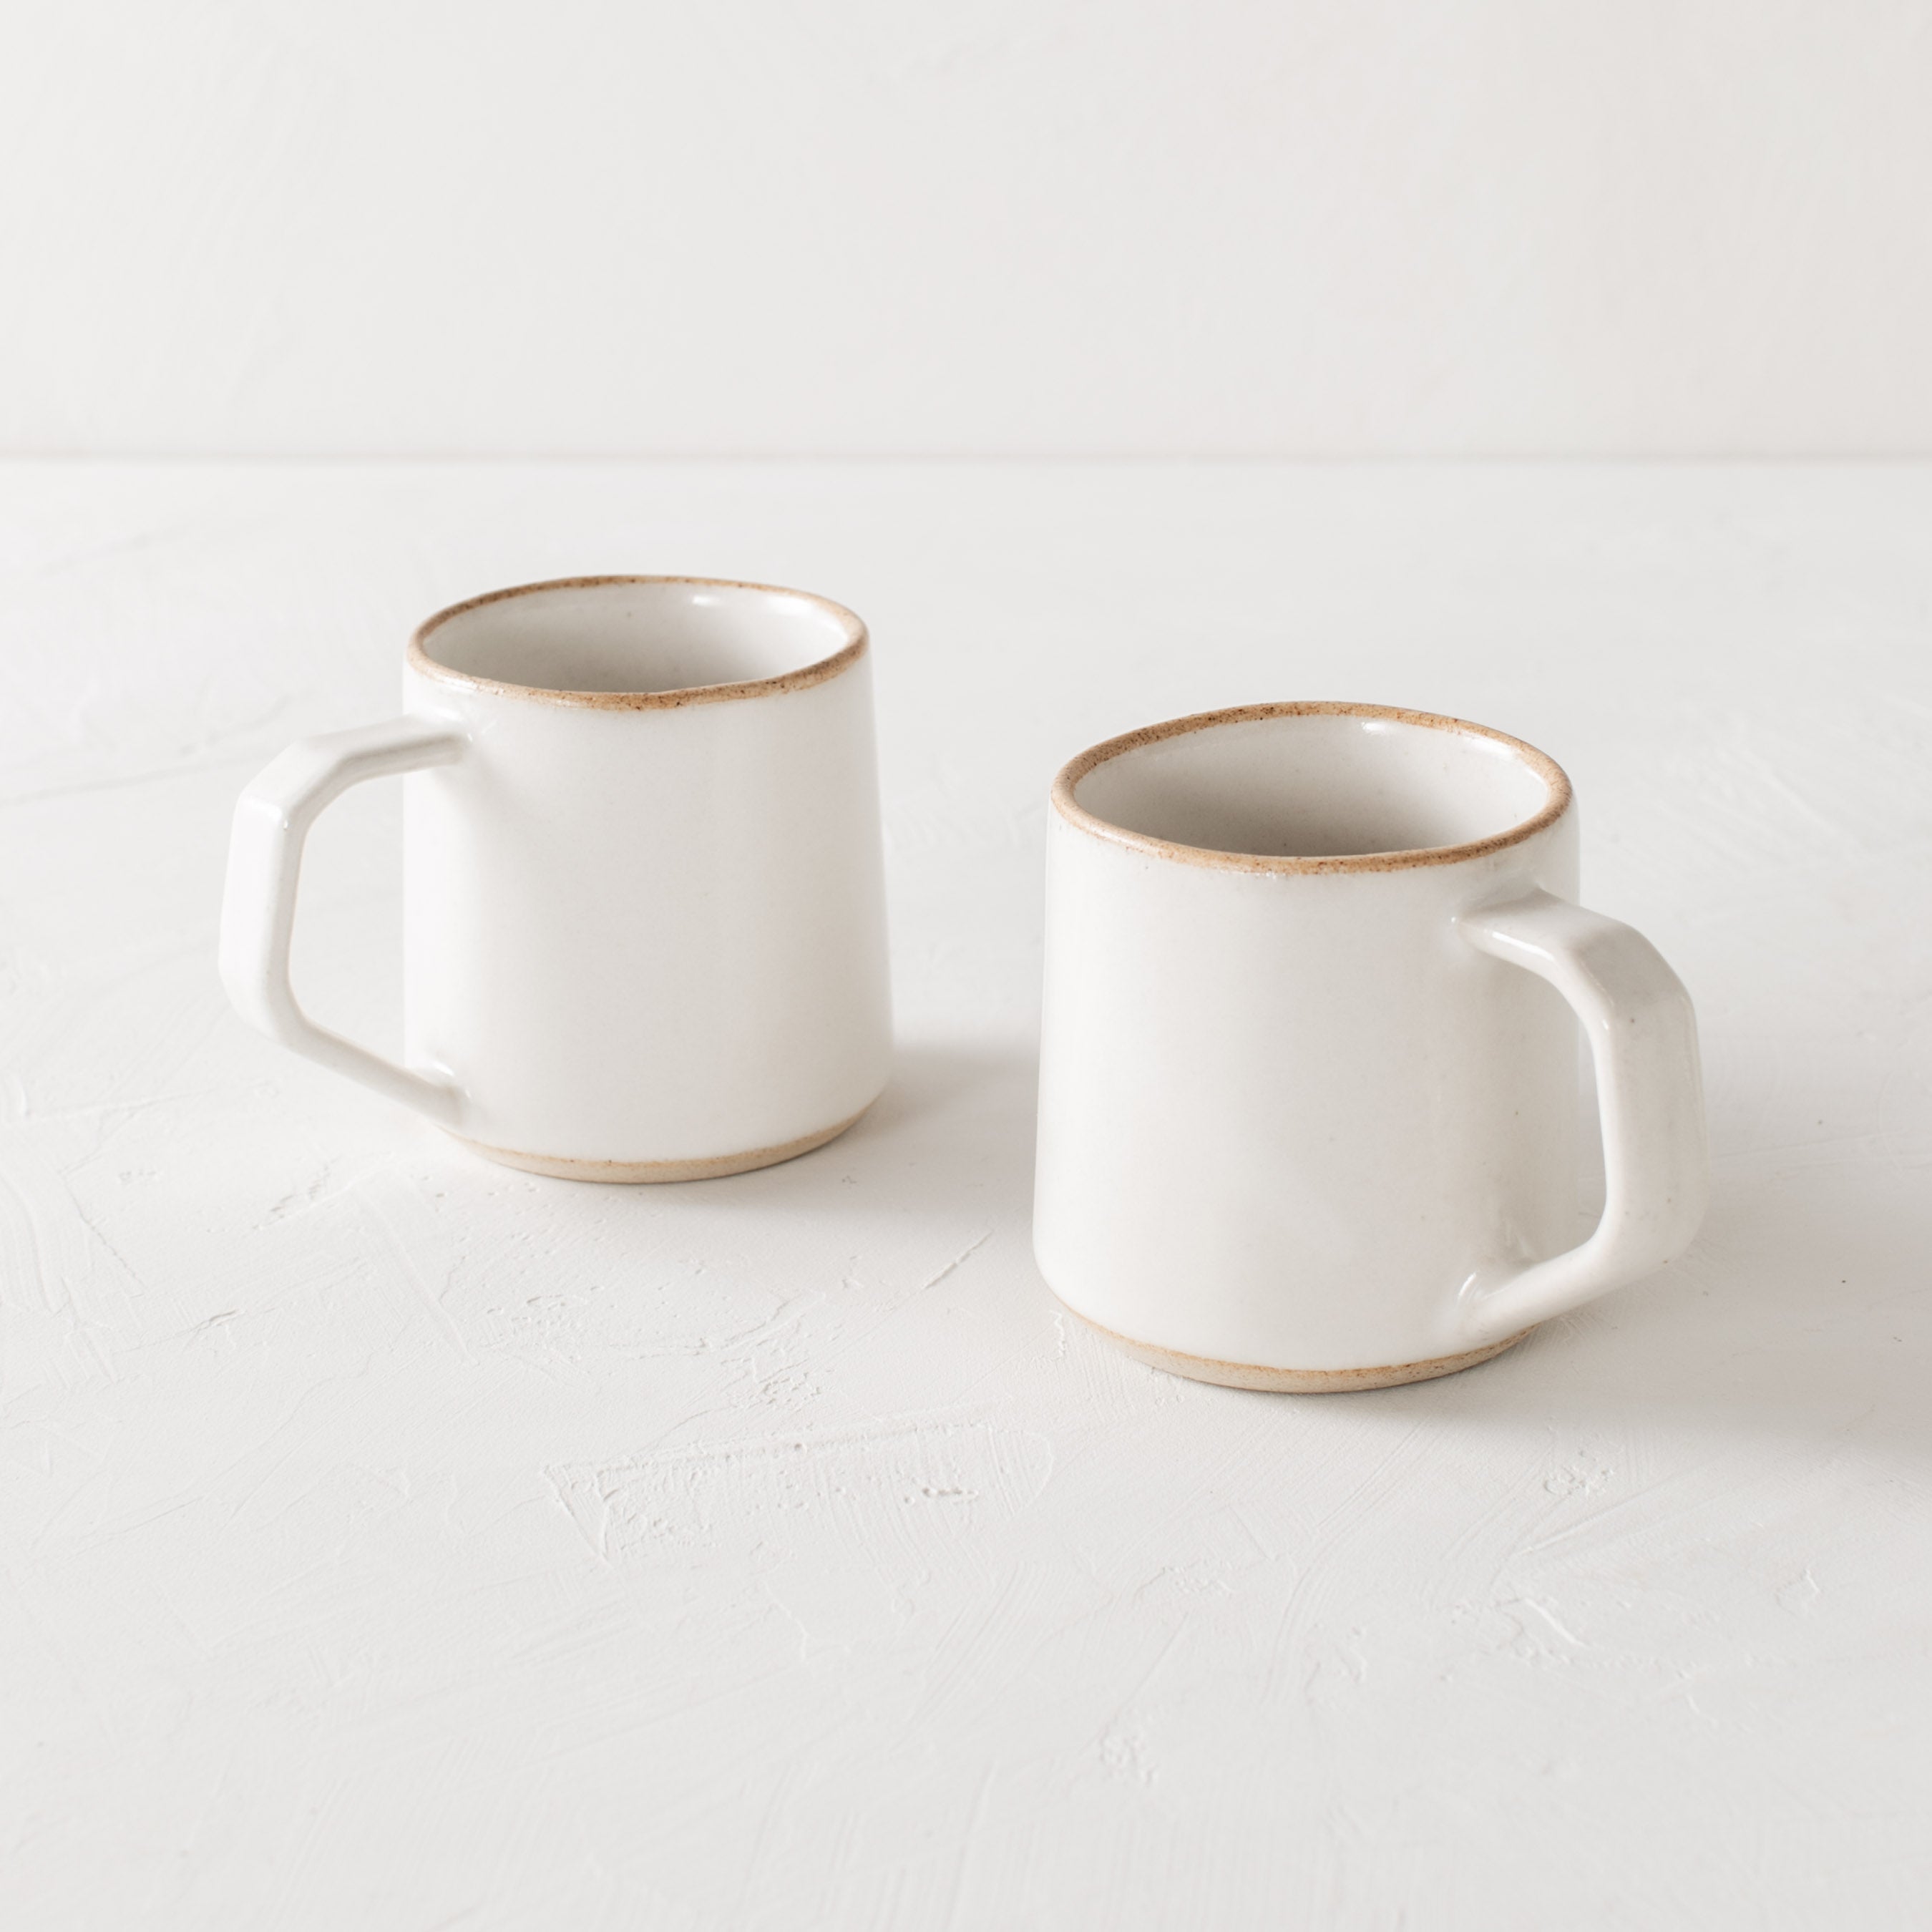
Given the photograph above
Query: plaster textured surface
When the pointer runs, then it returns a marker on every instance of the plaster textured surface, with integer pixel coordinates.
(388, 1539)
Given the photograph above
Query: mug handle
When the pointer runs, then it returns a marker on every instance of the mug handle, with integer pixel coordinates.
(258, 907)
(1643, 1039)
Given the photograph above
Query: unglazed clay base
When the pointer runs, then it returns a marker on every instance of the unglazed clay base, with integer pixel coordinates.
(713, 1167)
(1298, 1382)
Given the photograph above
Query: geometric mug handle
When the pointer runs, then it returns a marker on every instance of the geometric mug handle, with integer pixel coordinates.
(258, 907)
(1643, 1039)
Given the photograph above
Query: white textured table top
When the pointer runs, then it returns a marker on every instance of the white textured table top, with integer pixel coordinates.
(388, 1539)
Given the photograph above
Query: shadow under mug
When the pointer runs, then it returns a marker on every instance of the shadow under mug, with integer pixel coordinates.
(1308, 1069)
(644, 930)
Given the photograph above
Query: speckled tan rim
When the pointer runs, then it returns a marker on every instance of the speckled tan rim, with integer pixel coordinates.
(1296, 1381)
(1540, 763)
(847, 655)
(714, 1168)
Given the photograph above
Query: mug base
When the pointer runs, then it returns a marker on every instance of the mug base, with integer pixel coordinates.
(1298, 1381)
(712, 1167)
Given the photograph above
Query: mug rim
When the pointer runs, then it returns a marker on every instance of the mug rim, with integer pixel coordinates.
(419, 660)
(1078, 817)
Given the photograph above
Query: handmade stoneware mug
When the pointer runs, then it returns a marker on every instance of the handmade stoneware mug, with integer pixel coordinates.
(644, 928)
(1309, 1077)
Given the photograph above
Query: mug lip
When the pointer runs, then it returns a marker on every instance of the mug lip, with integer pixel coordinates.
(858, 638)
(1077, 816)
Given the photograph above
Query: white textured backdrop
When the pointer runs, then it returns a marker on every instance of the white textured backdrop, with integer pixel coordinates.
(1023, 226)
(393, 1543)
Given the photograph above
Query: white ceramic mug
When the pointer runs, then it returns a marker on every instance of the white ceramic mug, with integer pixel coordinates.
(1308, 1068)
(644, 911)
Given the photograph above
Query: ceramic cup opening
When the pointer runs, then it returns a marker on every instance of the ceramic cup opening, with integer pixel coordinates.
(637, 636)
(1296, 784)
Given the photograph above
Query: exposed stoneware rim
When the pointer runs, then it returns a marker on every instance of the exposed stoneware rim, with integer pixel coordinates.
(847, 655)
(1298, 1381)
(1540, 763)
(713, 1167)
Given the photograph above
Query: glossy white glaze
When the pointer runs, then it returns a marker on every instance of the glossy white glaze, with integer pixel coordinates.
(644, 909)
(1306, 1101)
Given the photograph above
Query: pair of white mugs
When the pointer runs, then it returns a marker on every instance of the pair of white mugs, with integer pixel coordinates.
(1308, 1070)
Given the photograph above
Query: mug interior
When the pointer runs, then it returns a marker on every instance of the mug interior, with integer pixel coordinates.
(636, 636)
(1292, 782)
